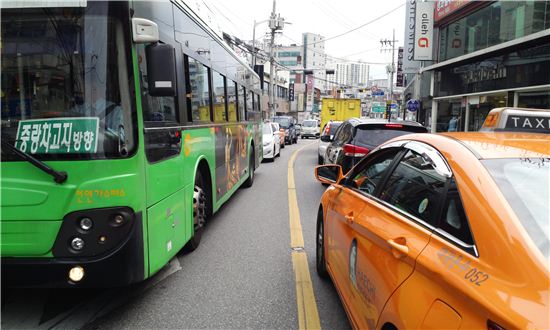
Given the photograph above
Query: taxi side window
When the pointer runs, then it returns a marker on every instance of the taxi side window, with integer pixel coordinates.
(370, 176)
(415, 187)
(454, 220)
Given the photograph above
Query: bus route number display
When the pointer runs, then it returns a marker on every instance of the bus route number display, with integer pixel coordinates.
(58, 135)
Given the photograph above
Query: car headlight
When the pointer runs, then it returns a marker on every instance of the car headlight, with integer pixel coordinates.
(266, 143)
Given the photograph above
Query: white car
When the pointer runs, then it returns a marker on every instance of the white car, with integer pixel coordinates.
(327, 135)
(271, 142)
(279, 132)
(310, 128)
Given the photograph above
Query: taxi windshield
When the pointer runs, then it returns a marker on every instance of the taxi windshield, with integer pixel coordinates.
(66, 79)
(520, 182)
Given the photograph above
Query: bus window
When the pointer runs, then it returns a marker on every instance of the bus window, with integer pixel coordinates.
(218, 95)
(241, 101)
(232, 101)
(249, 103)
(199, 94)
(256, 102)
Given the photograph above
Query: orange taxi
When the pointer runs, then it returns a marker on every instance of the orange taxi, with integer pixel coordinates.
(441, 231)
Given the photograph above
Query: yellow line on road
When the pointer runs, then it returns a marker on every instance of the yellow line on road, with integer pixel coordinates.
(308, 316)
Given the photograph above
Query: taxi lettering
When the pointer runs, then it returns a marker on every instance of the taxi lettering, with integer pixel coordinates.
(528, 122)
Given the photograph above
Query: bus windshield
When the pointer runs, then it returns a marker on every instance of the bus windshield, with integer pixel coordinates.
(66, 77)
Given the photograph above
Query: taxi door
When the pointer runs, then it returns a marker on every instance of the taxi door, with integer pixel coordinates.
(348, 203)
(391, 231)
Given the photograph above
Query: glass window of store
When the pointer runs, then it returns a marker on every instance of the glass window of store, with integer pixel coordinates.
(497, 23)
(534, 99)
(450, 116)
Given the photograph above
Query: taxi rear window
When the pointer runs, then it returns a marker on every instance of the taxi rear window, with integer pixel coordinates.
(520, 182)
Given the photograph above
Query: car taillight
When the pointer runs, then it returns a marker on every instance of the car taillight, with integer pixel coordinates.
(493, 326)
(394, 125)
(327, 129)
(355, 151)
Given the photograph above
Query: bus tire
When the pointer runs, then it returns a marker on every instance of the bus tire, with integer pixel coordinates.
(200, 205)
(250, 180)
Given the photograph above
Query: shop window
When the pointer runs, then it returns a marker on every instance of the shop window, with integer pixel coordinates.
(494, 24)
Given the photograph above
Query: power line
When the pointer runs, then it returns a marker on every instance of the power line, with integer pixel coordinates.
(360, 26)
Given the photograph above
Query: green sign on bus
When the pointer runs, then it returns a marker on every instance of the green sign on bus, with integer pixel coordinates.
(58, 135)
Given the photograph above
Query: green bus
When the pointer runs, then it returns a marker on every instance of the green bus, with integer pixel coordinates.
(125, 126)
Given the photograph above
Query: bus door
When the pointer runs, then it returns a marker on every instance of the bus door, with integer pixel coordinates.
(167, 201)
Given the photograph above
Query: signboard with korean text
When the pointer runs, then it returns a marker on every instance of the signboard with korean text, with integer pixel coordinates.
(409, 64)
(400, 79)
(423, 31)
(444, 8)
(76, 135)
(291, 92)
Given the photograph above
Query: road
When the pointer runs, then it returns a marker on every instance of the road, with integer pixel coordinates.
(241, 276)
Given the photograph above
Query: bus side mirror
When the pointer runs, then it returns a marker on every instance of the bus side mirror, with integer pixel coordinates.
(161, 69)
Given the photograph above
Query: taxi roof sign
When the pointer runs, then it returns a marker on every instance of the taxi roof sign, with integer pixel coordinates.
(517, 120)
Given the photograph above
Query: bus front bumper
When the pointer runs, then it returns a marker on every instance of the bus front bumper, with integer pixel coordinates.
(120, 267)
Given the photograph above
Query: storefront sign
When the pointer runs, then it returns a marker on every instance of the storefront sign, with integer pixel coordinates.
(484, 73)
(400, 79)
(423, 31)
(523, 67)
(291, 92)
(444, 8)
(409, 64)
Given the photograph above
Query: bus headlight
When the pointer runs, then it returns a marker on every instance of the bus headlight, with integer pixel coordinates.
(76, 274)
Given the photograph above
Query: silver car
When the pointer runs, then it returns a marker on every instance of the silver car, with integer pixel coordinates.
(328, 132)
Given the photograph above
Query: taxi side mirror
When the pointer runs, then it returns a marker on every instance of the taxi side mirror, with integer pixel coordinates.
(329, 173)
(326, 138)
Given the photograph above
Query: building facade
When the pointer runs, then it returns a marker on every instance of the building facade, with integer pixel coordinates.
(489, 55)
(353, 74)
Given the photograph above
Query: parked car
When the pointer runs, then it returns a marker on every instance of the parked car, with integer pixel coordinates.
(326, 136)
(310, 128)
(517, 119)
(287, 123)
(441, 231)
(271, 142)
(298, 128)
(280, 133)
(357, 137)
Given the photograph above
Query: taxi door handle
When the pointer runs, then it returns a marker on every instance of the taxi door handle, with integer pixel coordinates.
(349, 218)
(399, 247)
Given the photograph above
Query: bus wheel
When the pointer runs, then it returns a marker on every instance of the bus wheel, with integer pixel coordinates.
(199, 213)
(248, 183)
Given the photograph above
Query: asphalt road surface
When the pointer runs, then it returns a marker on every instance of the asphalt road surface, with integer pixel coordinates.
(241, 276)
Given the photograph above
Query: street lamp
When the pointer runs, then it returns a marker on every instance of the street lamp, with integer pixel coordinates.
(254, 41)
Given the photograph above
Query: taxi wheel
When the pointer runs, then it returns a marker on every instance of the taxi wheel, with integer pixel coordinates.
(320, 261)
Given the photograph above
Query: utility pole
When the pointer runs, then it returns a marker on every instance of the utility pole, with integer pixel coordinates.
(276, 23)
(391, 69)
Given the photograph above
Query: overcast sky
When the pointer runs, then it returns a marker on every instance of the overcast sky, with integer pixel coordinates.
(328, 18)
